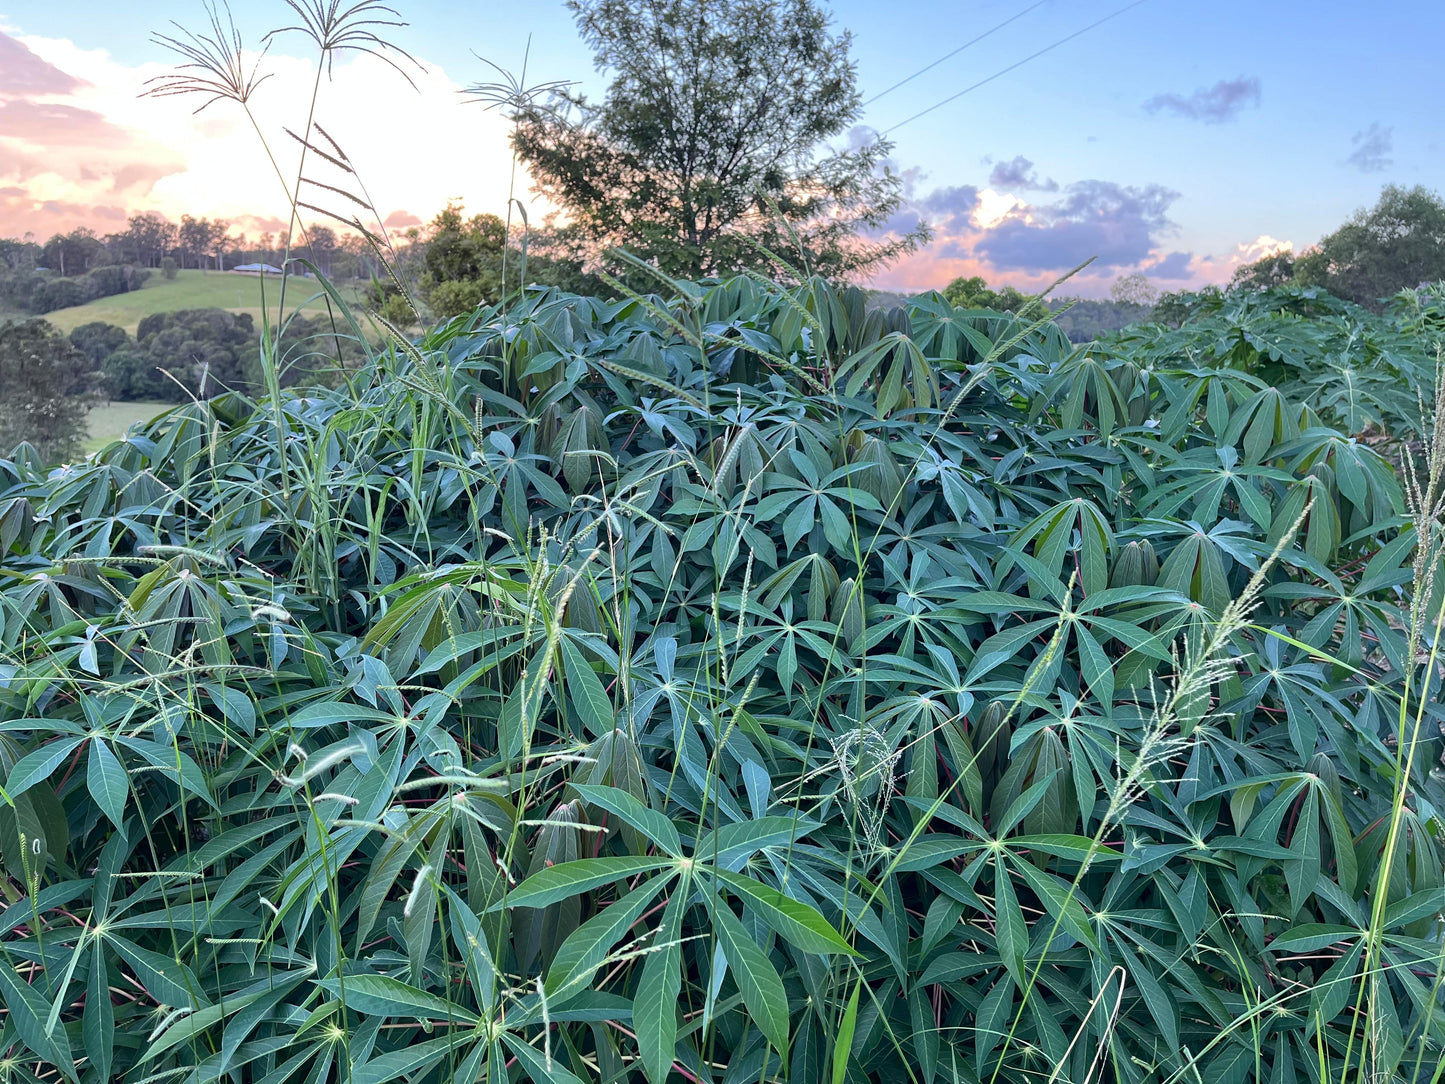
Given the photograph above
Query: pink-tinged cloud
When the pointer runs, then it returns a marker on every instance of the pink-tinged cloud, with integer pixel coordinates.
(52, 124)
(257, 224)
(994, 233)
(23, 74)
(76, 132)
(63, 161)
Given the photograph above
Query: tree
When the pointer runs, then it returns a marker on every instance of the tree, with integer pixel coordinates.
(1397, 244)
(1265, 273)
(148, 239)
(715, 127)
(99, 340)
(460, 263)
(207, 350)
(73, 253)
(49, 385)
(974, 293)
(197, 237)
(323, 247)
(1135, 289)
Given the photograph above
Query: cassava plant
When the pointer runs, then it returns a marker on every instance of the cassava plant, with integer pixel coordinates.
(726, 683)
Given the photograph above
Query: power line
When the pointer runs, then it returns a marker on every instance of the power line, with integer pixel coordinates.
(1015, 65)
(961, 48)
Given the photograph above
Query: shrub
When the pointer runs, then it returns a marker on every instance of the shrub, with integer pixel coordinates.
(99, 340)
(169, 267)
(206, 352)
(58, 293)
(736, 679)
(114, 279)
(48, 388)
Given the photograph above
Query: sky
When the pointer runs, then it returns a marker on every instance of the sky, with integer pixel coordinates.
(1176, 137)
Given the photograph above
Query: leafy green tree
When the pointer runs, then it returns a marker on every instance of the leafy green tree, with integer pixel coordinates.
(461, 263)
(1395, 245)
(48, 388)
(974, 293)
(1265, 273)
(1084, 319)
(712, 140)
(73, 253)
(205, 351)
(147, 239)
(99, 340)
(61, 293)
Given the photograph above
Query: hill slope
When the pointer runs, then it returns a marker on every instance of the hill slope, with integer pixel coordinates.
(188, 290)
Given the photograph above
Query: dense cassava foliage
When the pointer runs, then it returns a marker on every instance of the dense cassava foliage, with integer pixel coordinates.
(1354, 368)
(730, 686)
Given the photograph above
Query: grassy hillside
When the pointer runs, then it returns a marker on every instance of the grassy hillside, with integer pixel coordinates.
(109, 421)
(188, 290)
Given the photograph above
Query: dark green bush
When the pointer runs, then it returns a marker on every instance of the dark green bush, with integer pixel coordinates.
(47, 387)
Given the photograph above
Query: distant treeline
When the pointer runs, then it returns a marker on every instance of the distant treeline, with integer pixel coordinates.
(38, 291)
(153, 241)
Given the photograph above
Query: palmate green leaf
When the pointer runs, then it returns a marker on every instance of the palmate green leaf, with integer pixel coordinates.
(799, 923)
(400, 1064)
(1010, 930)
(1064, 910)
(572, 968)
(168, 981)
(106, 781)
(1420, 904)
(28, 1009)
(1161, 1007)
(733, 844)
(33, 767)
(843, 1045)
(652, 824)
(587, 692)
(244, 1021)
(654, 1003)
(757, 979)
(98, 1022)
(539, 1068)
(1313, 936)
(381, 995)
(568, 879)
(471, 940)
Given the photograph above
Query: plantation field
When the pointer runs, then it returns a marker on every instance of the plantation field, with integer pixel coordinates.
(849, 721)
(188, 290)
(109, 421)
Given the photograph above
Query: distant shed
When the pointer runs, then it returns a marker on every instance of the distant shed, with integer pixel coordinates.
(257, 269)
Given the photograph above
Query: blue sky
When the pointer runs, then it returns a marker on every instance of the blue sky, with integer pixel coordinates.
(1271, 121)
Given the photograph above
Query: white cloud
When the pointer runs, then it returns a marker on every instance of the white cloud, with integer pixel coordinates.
(413, 149)
(1262, 246)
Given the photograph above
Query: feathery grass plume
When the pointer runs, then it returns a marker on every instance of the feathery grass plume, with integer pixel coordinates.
(213, 63)
(1425, 504)
(338, 28)
(514, 97)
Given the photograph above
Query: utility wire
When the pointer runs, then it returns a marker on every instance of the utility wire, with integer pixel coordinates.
(1015, 65)
(961, 48)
